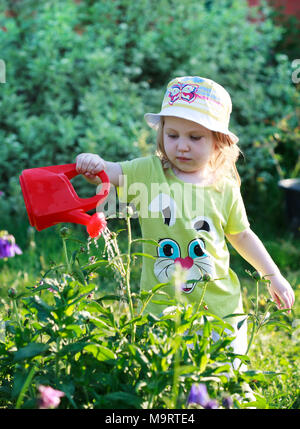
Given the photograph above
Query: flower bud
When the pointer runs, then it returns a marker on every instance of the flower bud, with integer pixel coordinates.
(206, 278)
(11, 292)
(65, 232)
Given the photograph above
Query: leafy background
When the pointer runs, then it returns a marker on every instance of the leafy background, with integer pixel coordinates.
(80, 74)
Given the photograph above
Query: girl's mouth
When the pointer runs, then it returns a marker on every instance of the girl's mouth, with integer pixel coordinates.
(182, 158)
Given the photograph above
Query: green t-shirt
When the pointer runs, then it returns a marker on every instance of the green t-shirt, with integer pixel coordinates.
(189, 222)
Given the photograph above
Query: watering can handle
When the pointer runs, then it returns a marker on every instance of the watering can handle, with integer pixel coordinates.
(69, 170)
(72, 172)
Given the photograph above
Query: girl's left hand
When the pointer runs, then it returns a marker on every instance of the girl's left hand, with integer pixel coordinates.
(281, 292)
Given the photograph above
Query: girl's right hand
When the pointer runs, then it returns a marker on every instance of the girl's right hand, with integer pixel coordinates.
(89, 165)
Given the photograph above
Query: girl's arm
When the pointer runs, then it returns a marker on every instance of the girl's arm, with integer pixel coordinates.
(90, 164)
(253, 251)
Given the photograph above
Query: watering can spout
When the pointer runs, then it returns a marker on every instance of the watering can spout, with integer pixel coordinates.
(50, 197)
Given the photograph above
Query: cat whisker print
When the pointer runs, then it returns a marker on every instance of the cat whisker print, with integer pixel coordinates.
(166, 269)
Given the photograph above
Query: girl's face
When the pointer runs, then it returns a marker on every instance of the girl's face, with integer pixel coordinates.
(188, 145)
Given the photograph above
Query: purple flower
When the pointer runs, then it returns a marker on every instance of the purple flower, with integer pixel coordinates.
(49, 397)
(211, 405)
(8, 247)
(227, 402)
(198, 395)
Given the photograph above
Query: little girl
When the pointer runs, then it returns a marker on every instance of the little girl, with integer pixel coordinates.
(188, 199)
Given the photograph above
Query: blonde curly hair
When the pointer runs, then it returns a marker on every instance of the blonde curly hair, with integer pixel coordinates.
(223, 162)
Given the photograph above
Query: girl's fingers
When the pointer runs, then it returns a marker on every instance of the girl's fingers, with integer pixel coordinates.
(283, 295)
(80, 162)
(275, 298)
(284, 302)
(91, 163)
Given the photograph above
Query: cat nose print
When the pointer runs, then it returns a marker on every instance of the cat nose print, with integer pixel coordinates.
(185, 262)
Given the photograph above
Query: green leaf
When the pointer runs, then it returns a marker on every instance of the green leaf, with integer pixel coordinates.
(30, 351)
(145, 255)
(95, 266)
(203, 362)
(78, 274)
(234, 315)
(73, 348)
(101, 353)
(187, 369)
(261, 375)
(100, 323)
(241, 322)
(159, 286)
(95, 307)
(87, 289)
(138, 355)
(110, 298)
(118, 400)
(163, 302)
(145, 240)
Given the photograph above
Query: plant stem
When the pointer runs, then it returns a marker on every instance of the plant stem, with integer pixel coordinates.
(177, 279)
(257, 294)
(199, 304)
(25, 387)
(16, 312)
(252, 336)
(254, 320)
(202, 296)
(128, 290)
(66, 256)
(176, 361)
(57, 359)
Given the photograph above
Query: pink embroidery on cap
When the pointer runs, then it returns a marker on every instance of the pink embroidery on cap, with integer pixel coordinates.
(185, 92)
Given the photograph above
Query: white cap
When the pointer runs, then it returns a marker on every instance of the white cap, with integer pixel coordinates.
(196, 99)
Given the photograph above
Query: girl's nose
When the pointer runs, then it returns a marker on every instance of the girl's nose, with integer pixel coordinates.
(182, 146)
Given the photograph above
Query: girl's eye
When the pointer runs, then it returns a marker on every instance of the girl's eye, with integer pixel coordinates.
(196, 138)
(196, 248)
(168, 249)
(172, 136)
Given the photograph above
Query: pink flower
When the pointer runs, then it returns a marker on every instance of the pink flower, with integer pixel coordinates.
(49, 398)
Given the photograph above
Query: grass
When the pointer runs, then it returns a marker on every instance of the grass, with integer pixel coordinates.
(274, 349)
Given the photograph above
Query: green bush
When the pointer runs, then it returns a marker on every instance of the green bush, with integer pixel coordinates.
(105, 350)
(81, 74)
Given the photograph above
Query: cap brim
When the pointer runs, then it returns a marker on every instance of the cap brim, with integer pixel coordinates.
(153, 120)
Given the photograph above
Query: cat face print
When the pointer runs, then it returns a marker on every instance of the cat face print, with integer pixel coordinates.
(193, 257)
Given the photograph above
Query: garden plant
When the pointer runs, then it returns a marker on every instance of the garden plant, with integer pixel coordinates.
(74, 328)
(65, 343)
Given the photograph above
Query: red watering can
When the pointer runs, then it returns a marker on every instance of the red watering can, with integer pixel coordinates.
(50, 198)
